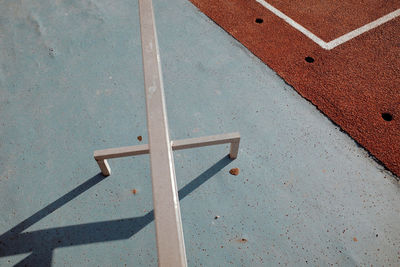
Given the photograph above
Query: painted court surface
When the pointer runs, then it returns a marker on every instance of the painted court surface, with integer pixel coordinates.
(355, 74)
(71, 82)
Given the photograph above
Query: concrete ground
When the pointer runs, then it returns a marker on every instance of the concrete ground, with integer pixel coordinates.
(71, 82)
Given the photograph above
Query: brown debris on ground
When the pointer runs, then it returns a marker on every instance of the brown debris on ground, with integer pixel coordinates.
(234, 171)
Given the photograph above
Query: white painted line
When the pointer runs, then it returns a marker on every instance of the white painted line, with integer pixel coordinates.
(348, 36)
(338, 41)
(294, 24)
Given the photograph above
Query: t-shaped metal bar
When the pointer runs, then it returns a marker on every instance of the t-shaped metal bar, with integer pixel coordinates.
(170, 243)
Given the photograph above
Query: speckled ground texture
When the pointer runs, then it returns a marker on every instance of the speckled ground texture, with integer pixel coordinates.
(353, 84)
(71, 82)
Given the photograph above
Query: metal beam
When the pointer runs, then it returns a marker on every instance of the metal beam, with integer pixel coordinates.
(170, 242)
(232, 138)
(121, 152)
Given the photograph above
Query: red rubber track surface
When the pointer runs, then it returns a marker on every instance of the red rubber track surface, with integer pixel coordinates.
(353, 84)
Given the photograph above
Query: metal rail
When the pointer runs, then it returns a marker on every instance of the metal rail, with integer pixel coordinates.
(170, 241)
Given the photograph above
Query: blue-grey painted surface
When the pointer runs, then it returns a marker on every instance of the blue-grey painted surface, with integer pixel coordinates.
(71, 82)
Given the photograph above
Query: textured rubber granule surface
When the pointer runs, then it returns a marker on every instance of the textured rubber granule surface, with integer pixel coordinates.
(356, 84)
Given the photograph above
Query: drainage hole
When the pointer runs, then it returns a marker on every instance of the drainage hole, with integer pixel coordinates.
(309, 59)
(259, 20)
(387, 116)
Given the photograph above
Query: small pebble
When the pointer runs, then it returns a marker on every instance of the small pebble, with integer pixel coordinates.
(234, 171)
